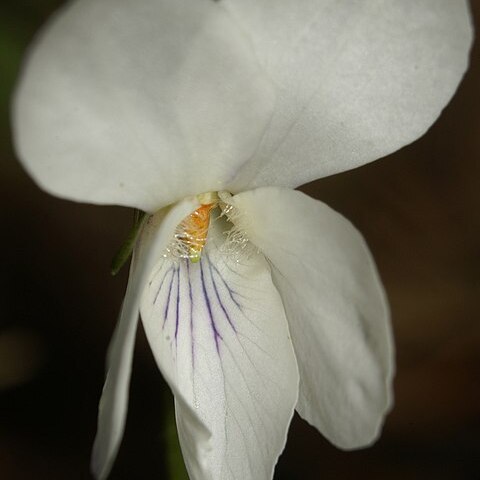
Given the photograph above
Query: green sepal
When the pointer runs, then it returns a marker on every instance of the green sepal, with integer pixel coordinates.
(126, 249)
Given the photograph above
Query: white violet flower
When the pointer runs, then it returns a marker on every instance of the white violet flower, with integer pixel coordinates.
(256, 299)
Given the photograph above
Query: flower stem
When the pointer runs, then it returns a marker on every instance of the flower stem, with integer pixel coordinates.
(126, 249)
(175, 464)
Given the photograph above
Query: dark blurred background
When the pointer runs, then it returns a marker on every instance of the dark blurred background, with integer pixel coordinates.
(419, 210)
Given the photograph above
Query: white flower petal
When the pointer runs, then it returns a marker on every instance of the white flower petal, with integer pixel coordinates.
(336, 308)
(356, 80)
(139, 103)
(219, 334)
(114, 401)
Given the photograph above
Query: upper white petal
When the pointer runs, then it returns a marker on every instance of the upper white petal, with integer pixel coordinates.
(114, 401)
(336, 308)
(219, 334)
(139, 103)
(356, 80)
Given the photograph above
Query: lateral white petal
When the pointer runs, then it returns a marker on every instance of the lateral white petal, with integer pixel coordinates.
(336, 308)
(114, 401)
(219, 334)
(356, 80)
(139, 103)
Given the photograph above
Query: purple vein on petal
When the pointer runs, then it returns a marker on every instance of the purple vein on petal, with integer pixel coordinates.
(161, 285)
(217, 294)
(190, 295)
(216, 335)
(231, 292)
(177, 308)
(167, 305)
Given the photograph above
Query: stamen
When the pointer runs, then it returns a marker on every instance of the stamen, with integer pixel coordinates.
(237, 245)
(191, 234)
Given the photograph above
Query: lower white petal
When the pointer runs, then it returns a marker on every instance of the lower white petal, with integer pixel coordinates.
(114, 401)
(219, 334)
(336, 308)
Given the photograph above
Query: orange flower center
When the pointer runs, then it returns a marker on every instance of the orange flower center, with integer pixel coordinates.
(193, 230)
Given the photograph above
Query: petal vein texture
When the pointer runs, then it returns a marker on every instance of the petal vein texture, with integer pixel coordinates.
(336, 308)
(220, 337)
